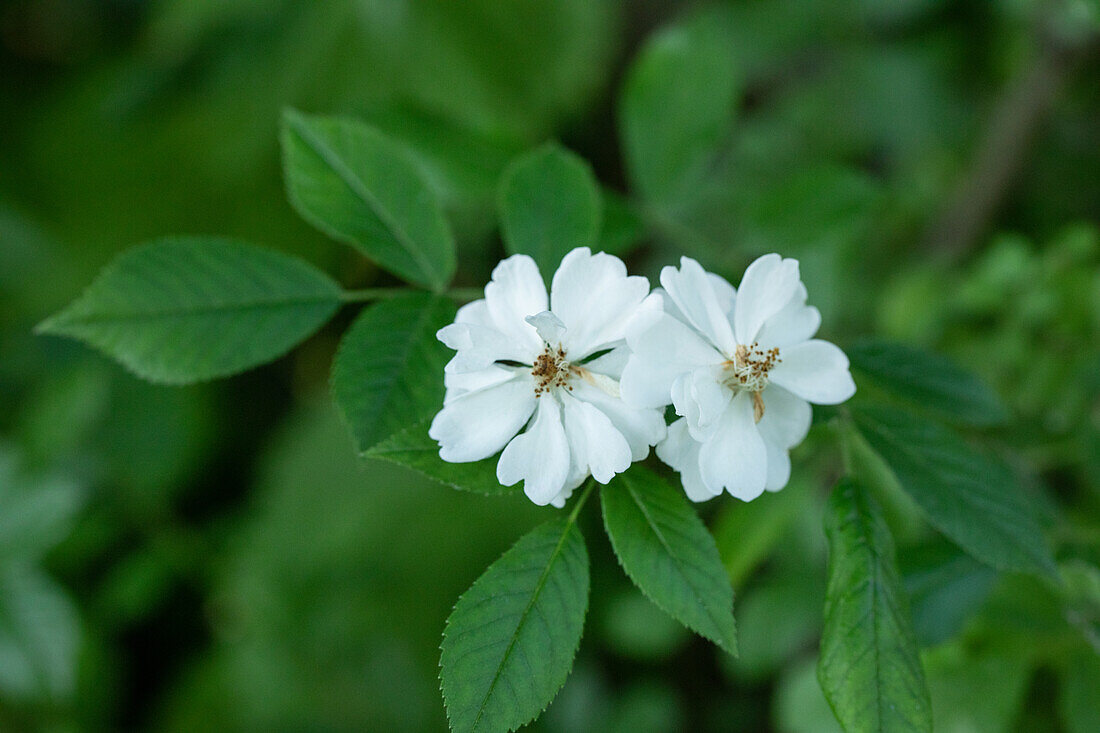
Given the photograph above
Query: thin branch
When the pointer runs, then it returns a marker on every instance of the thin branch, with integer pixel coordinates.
(1004, 145)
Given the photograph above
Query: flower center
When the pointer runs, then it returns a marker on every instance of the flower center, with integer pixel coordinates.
(748, 371)
(551, 370)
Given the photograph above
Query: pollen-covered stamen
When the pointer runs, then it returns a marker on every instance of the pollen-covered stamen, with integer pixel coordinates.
(748, 371)
(551, 370)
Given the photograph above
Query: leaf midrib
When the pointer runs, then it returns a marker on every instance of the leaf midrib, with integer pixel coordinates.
(100, 317)
(876, 587)
(668, 548)
(874, 559)
(522, 620)
(931, 466)
(359, 188)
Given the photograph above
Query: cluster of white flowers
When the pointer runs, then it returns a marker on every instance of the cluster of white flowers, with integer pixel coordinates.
(589, 370)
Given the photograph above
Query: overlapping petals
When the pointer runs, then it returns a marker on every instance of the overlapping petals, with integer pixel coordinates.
(572, 383)
(537, 376)
(740, 366)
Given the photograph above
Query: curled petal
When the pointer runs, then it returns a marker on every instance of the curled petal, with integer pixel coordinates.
(548, 326)
(477, 423)
(538, 457)
(692, 291)
(699, 397)
(770, 282)
(816, 371)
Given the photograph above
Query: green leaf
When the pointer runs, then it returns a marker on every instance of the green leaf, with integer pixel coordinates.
(186, 309)
(979, 687)
(870, 668)
(549, 204)
(945, 587)
(667, 551)
(388, 372)
(972, 498)
(622, 228)
(676, 108)
(511, 639)
(799, 706)
(36, 512)
(413, 449)
(39, 636)
(929, 381)
(358, 186)
(1079, 704)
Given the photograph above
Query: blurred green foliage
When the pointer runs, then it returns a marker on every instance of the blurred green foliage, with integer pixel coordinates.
(216, 556)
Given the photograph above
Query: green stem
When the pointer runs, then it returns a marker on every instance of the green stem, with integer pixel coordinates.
(842, 429)
(583, 498)
(363, 295)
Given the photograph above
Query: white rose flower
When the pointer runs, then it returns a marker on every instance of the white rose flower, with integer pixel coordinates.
(560, 361)
(740, 367)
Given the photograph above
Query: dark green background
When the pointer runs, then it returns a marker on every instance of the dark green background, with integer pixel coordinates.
(219, 557)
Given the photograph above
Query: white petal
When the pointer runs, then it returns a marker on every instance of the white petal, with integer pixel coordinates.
(641, 426)
(515, 292)
(479, 342)
(768, 285)
(478, 347)
(563, 495)
(680, 451)
(596, 447)
(816, 371)
(662, 351)
(610, 364)
(548, 326)
(693, 292)
(735, 457)
(477, 424)
(726, 293)
(475, 312)
(786, 417)
(700, 398)
(459, 383)
(795, 323)
(779, 467)
(601, 381)
(538, 457)
(596, 299)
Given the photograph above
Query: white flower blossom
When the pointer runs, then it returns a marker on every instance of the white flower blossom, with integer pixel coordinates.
(740, 367)
(558, 359)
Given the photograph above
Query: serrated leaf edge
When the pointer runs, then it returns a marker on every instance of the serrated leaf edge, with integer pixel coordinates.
(55, 325)
(424, 315)
(731, 646)
(570, 524)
